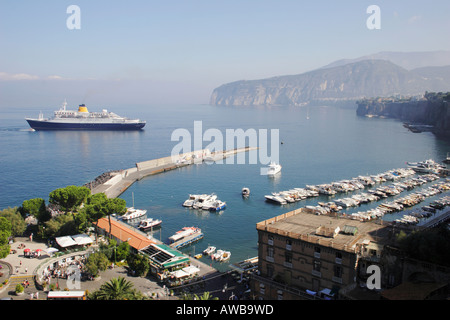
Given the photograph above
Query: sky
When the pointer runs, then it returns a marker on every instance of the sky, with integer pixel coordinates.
(146, 52)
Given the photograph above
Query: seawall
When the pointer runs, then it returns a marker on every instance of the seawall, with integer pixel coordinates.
(121, 180)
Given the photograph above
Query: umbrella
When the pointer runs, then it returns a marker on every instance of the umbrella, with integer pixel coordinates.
(37, 250)
(26, 250)
(51, 250)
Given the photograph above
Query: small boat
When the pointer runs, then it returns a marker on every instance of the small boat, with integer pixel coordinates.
(149, 223)
(275, 199)
(198, 256)
(273, 168)
(218, 205)
(193, 198)
(210, 250)
(245, 192)
(133, 213)
(204, 198)
(225, 256)
(184, 233)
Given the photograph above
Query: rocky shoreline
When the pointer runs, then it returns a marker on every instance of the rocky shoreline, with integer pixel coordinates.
(101, 179)
(432, 111)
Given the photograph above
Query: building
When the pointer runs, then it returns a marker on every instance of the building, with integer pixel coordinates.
(302, 255)
(123, 233)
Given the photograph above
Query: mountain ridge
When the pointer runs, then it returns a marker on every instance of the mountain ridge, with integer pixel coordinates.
(347, 82)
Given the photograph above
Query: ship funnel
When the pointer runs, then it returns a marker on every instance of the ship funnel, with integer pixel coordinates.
(82, 108)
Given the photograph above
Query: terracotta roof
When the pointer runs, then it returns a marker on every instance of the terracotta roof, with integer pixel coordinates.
(124, 233)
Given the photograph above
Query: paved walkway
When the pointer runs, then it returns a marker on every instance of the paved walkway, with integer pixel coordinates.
(18, 268)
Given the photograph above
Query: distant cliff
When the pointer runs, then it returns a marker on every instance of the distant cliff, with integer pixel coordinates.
(432, 110)
(353, 81)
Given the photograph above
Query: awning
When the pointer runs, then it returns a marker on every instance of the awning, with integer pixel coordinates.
(191, 270)
(66, 241)
(179, 274)
(82, 239)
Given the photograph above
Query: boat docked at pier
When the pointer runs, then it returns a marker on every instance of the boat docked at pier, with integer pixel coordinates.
(185, 236)
(149, 224)
(82, 119)
(133, 213)
(209, 250)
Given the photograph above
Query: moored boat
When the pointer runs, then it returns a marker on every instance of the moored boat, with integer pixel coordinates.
(133, 213)
(149, 223)
(209, 250)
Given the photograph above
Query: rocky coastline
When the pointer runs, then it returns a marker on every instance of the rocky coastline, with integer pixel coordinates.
(428, 113)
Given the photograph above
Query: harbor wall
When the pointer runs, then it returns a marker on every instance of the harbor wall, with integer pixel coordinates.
(121, 180)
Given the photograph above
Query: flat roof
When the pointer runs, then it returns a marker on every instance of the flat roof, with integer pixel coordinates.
(306, 226)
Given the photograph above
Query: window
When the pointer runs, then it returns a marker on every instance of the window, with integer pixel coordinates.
(316, 265)
(338, 271)
(269, 271)
(317, 252)
(288, 244)
(270, 241)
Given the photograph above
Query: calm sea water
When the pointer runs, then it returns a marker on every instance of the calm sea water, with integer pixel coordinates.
(332, 144)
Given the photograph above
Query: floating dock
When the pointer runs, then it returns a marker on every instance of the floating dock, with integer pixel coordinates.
(121, 180)
(187, 240)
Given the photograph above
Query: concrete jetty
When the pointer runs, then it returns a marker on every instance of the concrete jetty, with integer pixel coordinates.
(121, 180)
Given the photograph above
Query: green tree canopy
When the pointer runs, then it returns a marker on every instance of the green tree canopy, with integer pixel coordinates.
(117, 289)
(70, 197)
(18, 224)
(139, 264)
(5, 233)
(36, 207)
(97, 262)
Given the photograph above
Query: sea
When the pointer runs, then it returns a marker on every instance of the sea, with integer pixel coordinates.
(314, 145)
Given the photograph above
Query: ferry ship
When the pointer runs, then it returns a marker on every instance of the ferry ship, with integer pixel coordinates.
(84, 120)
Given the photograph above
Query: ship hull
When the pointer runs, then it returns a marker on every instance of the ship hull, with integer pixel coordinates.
(49, 125)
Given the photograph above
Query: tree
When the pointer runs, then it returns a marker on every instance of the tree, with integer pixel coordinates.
(139, 264)
(99, 206)
(36, 207)
(60, 226)
(18, 224)
(117, 289)
(5, 233)
(70, 197)
(97, 262)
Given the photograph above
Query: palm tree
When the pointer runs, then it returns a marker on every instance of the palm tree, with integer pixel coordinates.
(116, 289)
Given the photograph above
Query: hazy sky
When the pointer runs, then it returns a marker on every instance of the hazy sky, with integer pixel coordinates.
(154, 52)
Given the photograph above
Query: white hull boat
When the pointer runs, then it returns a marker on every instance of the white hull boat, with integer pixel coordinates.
(133, 213)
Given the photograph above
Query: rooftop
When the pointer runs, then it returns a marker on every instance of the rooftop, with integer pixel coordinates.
(123, 233)
(340, 233)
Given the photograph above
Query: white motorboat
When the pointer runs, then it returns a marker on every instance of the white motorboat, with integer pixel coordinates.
(273, 168)
(218, 205)
(191, 200)
(209, 251)
(149, 223)
(225, 256)
(198, 204)
(276, 199)
(133, 213)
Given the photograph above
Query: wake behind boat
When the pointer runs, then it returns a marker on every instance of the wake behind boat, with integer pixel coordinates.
(82, 119)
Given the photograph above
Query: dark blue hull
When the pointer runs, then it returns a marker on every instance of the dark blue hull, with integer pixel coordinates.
(45, 125)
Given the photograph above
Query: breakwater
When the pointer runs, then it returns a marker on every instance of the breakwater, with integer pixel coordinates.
(114, 183)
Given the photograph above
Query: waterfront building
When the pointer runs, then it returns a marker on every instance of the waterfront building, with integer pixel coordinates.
(302, 255)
